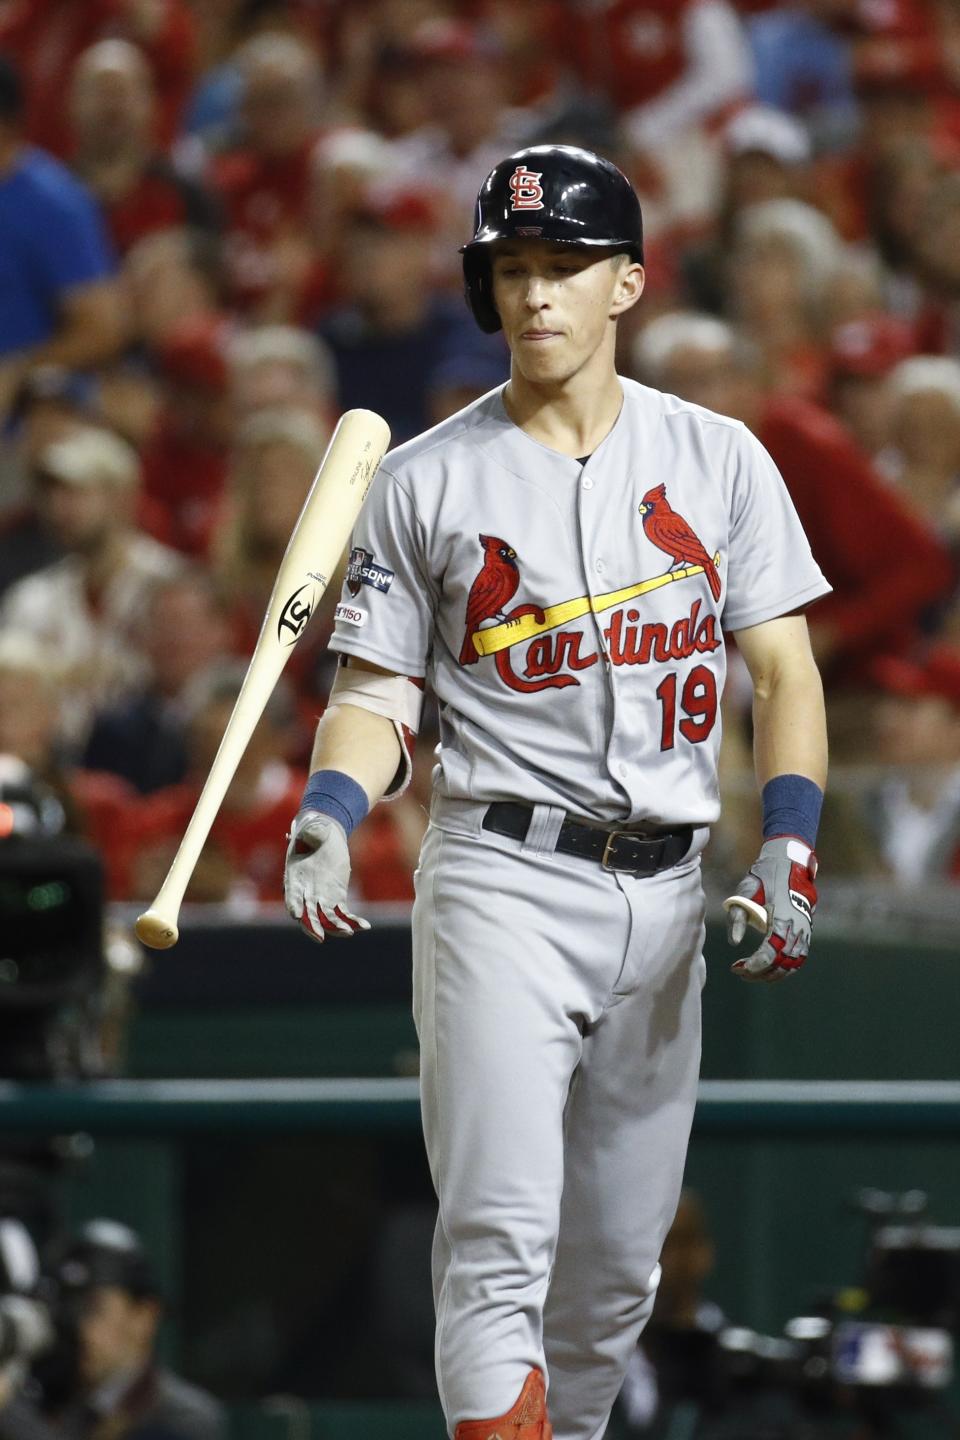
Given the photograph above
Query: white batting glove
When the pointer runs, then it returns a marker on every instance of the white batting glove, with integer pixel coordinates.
(316, 876)
(779, 898)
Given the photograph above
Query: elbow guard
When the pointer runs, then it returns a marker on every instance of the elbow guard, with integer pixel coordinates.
(397, 698)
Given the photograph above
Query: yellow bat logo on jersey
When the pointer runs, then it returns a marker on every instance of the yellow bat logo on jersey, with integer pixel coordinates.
(525, 627)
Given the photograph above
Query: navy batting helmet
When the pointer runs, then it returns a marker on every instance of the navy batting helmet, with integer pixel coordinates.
(548, 192)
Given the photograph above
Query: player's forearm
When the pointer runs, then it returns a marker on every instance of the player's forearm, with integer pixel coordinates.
(359, 744)
(789, 722)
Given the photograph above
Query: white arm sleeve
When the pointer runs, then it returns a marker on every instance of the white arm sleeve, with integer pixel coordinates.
(719, 70)
(395, 697)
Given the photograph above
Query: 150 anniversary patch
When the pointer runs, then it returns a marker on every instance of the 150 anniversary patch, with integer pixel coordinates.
(350, 615)
(362, 569)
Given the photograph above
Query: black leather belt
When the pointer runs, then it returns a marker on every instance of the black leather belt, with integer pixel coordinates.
(627, 850)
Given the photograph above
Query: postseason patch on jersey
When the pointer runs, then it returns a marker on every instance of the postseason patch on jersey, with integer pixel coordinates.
(362, 569)
(350, 615)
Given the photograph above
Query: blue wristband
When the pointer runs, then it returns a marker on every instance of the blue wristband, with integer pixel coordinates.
(337, 795)
(791, 806)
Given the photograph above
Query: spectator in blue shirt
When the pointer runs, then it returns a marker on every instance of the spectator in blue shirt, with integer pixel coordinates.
(395, 331)
(59, 301)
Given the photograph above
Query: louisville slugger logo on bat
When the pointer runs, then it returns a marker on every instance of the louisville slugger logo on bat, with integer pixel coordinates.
(294, 616)
(295, 612)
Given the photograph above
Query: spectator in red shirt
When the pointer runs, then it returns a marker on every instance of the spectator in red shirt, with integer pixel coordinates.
(185, 458)
(666, 64)
(924, 454)
(265, 183)
(674, 69)
(47, 36)
(862, 354)
(525, 35)
(370, 65)
(896, 93)
(242, 863)
(112, 108)
(886, 564)
(344, 165)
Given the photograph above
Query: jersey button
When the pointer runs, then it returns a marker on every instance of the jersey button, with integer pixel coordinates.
(600, 567)
(587, 483)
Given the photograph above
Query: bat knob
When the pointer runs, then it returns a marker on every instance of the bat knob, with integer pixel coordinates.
(153, 930)
(756, 914)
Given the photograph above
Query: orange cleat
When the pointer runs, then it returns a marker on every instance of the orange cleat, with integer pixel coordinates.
(526, 1421)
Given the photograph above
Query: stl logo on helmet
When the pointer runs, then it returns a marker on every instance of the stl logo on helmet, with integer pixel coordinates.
(526, 188)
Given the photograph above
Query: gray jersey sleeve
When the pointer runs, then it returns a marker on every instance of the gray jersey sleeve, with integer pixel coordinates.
(771, 569)
(387, 605)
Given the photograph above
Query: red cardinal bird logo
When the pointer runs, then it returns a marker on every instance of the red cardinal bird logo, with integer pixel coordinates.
(669, 531)
(493, 588)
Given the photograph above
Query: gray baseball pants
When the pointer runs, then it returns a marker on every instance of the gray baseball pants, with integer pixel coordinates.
(558, 1011)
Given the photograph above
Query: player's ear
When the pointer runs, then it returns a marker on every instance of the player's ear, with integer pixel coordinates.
(629, 285)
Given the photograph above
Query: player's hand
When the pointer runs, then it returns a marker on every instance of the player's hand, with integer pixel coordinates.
(316, 876)
(779, 898)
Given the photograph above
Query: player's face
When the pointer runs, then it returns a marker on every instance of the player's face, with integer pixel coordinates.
(558, 304)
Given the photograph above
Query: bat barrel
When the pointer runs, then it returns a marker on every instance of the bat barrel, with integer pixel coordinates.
(313, 552)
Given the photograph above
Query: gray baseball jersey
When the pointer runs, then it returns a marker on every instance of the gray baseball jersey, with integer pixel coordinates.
(568, 617)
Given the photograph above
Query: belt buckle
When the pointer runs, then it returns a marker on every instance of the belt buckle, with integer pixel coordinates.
(639, 868)
(605, 861)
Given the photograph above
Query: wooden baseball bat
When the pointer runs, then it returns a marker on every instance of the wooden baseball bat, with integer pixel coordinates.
(319, 538)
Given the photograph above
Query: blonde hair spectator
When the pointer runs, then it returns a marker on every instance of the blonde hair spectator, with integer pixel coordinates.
(276, 454)
(784, 258)
(925, 433)
(802, 229)
(281, 365)
(342, 165)
(282, 92)
(923, 374)
(677, 330)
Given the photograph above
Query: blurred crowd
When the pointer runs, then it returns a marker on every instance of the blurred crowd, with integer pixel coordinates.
(223, 223)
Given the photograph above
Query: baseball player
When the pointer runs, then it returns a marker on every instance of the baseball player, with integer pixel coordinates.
(559, 561)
